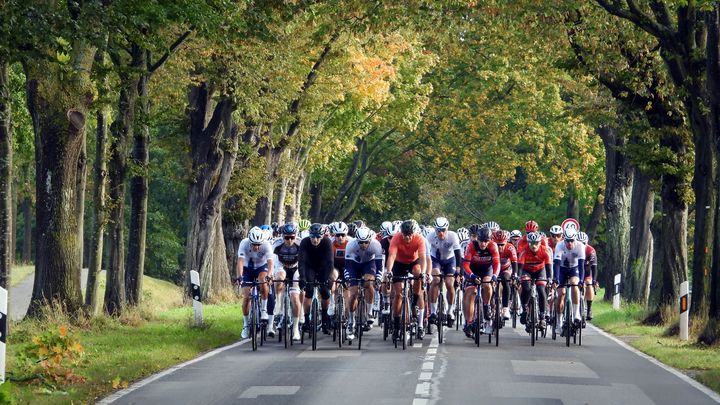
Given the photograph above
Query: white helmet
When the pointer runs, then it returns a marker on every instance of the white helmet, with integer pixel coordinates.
(569, 234)
(515, 234)
(425, 231)
(463, 234)
(387, 228)
(582, 237)
(363, 234)
(556, 230)
(339, 227)
(441, 223)
(256, 235)
(494, 226)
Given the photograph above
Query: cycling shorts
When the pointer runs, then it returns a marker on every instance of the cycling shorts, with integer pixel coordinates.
(250, 275)
(568, 272)
(401, 270)
(354, 271)
(446, 266)
(539, 277)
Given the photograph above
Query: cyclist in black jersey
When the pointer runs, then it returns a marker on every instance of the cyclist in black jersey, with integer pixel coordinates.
(315, 264)
(287, 251)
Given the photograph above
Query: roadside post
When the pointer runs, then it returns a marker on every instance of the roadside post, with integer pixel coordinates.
(616, 292)
(3, 331)
(195, 290)
(684, 310)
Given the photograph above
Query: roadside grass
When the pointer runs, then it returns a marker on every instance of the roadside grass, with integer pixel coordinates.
(699, 361)
(118, 351)
(19, 273)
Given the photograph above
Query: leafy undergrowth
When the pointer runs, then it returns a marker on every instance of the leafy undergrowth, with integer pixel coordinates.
(700, 361)
(105, 354)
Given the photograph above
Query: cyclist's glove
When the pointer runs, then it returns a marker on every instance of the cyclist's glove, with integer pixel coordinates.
(493, 278)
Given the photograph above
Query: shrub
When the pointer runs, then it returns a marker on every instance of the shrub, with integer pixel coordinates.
(50, 358)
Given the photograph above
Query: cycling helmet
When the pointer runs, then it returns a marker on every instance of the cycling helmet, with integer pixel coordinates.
(569, 234)
(483, 225)
(409, 227)
(351, 229)
(515, 234)
(289, 229)
(463, 234)
(363, 234)
(493, 226)
(338, 227)
(425, 231)
(500, 236)
(275, 227)
(256, 235)
(484, 234)
(304, 224)
(441, 223)
(359, 223)
(316, 230)
(533, 237)
(387, 228)
(531, 226)
(474, 228)
(556, 230)
(582, 237)
(542, 234)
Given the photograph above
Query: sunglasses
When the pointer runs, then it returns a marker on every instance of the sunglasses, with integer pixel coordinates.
(439, 230)
(569, 240)
(533, 243)
(363, 243)
(290, 237)
(257, 244)
(339, 235)
(315, 236)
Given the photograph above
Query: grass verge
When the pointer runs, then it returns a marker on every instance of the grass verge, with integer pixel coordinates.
(696, 360)
(19, 273)
(119, 351)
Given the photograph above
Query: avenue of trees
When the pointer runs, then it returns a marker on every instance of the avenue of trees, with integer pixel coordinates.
(146, 137)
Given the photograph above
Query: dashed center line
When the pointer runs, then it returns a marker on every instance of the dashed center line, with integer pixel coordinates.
(422, 390)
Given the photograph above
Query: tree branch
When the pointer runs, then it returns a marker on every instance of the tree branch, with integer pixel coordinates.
(155, 66)
(633, 14)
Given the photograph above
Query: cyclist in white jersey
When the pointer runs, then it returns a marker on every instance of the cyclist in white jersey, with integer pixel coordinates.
(254, 263)
(446, 259)
(363, 260)
(568, 268)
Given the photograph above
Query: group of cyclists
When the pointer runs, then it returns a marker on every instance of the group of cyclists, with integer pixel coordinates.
(309, 261)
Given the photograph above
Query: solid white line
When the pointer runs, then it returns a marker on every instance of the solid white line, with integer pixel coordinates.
(119, 394)
(705, 390)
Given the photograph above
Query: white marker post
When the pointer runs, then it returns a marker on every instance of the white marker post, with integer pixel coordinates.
(616, 292)
(195, 289)
(684, 310)
(3, 330)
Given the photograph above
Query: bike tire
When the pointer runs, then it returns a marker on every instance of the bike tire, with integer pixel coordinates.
(498, 322)
(313, 321)
(441, 317)
(403, 324)
(568, 319)
(361, 316)
(554, 315)
(582, 320)
(253, 327)
(478, 316)
(530, 318)
(458, 311)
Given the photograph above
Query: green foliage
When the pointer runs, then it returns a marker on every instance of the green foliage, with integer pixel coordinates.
(51, 358)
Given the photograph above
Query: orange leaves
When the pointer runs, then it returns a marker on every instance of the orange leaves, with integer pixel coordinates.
(52, 355)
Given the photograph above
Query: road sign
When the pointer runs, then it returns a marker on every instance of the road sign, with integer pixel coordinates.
(571, 223)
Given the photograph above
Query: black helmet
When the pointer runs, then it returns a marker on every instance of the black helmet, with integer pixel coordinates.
(484, 234)
(474, 229)
(316, 230)
(289, 229)
(408, 227)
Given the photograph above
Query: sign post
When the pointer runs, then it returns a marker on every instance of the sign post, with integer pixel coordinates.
(684, 310)
(616, 292)
(195, 290)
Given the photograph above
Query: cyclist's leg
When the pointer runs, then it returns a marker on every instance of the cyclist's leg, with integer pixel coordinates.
(264, 291)
(333, 289)
(434, 287)
(277, 309)
(369, 277)
(540, 283)
(589, 291)
(469, 303)
(505, 281)
(561, 294)
(450, 293)
(351, 300)
(247, 278)
(575, 297)
(417, 291)
(310, 275)
(295, 302)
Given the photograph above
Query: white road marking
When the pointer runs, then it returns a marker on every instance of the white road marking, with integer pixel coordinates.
(432, 351)
(119, 394)
(427, 366)
(552, 368)
(423, 389)
(705, 390)
(420, 401)
(425, 376)
(259, 390)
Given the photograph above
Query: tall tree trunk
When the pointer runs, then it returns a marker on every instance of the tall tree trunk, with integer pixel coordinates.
(99, 203)
(122, 129)
(293, 209)
(80, 196)
(59, 124)
(315, 201)
(642, 209)
(213, 143)
(13, 223)
(573, 205)
(138, 199)
(713, 90)
(263, 209)
(279, 214)
(618, 189)
(6, 162)
(595, 216)
(27, 230)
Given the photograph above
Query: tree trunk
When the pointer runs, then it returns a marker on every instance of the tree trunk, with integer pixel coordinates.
(59, 124)
(595, 217)
(573, 205)
(99, 203)
(315, 201)
(27, 230)
(138, 200)
(13, 223)
(279, 214)
(213, 145)
(713, 90)
(618, 188)
(263, 209)
(6, 162)
(80, 196)
(293, 209)
(122, 129)
(642, 209)
(673, 240)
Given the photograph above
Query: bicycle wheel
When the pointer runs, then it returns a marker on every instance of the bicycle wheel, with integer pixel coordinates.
(498, 319)
(262, 325)
(360, 321)
(403, 322)
(314, 322)
(286, 320)
(458, 308)
(514, 305)
(530, 319)
(441, 317)
(554, 314)
(253, 326)
(582, 320)
(478, 316)
(568, 319)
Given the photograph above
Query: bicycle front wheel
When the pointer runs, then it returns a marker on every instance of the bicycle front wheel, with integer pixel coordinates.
(314, 322)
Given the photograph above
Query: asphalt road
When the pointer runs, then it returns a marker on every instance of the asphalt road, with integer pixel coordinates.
(601, 371)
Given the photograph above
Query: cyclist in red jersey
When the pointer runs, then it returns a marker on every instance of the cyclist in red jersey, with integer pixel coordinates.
(508, 266)
(535, 265)
(406, 255)
(482, 261)
(530, 226)
(590, 273)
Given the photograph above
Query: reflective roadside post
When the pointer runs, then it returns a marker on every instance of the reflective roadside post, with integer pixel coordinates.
(616, 292)
(195, 291)
(684, 310)
(3, 330)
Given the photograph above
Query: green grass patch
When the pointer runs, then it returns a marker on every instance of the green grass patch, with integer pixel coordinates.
(699, 361)
(19, 273)
(119, 351)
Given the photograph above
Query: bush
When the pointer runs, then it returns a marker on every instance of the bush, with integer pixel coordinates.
(51, 358)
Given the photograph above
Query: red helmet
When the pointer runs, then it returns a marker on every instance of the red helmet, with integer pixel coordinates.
(531, 226)
(501, 236)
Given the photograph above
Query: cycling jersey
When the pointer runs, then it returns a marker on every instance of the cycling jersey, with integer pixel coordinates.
(534, 262)
(362, 261)
(508, 255)
(253, 260)
(481, 262)
(287, 255)
(406, 252)
(444, 249)
(339, 252)
(315, 264)
(590, 261)
(569, 257)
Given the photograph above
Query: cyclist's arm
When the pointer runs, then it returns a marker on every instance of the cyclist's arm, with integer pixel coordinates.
(549, 271)
(495, 261)
(556, 268)
(458, 257)
(581, 268)
(378, 268)
(301, 264)
(270, 263)
(239, 267)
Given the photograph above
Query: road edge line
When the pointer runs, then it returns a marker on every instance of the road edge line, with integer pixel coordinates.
(697, 384)
(147, 380)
